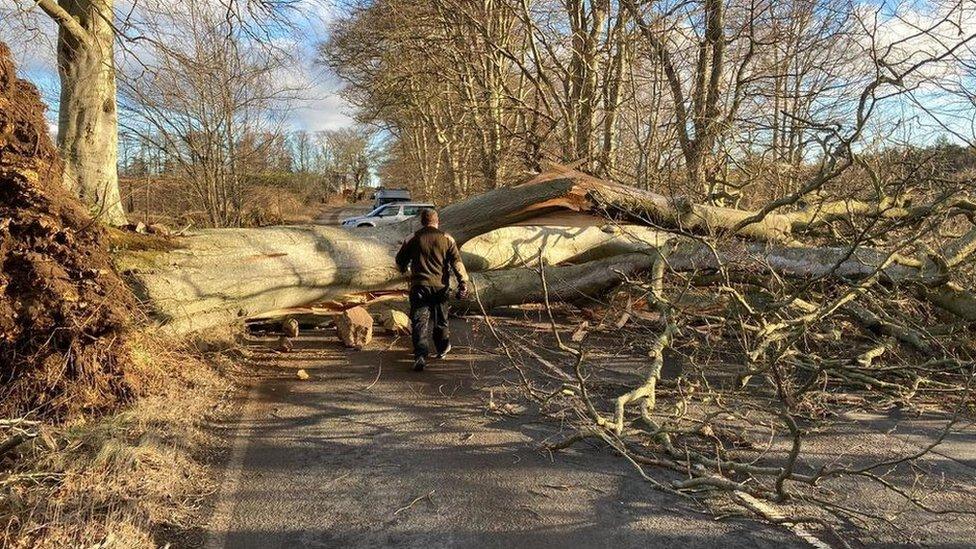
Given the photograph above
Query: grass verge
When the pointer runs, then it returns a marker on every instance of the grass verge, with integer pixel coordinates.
(130, 479)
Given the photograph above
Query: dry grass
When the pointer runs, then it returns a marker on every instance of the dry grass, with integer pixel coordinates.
(122, 479)
(270, 205)
(268, 201)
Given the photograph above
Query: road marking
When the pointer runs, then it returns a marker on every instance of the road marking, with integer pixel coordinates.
(231, 480)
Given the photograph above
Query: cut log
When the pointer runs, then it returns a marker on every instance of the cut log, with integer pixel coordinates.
(355, 327)
(395, 322)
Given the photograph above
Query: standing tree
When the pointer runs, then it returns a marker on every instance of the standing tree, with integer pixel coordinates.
(206, 95)
(87, 114)
(352, 155)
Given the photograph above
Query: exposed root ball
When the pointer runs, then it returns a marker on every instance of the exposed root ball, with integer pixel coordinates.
(64, 312)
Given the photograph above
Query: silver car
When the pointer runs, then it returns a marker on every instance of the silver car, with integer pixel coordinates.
(386, 214)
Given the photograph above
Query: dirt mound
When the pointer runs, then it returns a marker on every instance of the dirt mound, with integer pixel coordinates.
(64, 312)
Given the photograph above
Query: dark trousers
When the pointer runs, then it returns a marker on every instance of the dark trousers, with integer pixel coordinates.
(428, 309)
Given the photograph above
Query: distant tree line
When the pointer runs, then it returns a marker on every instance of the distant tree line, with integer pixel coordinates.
(229, 189)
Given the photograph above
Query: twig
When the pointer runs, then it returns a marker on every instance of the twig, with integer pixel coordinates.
(412, 503)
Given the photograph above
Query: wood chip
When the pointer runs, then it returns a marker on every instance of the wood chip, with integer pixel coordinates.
(580, 332)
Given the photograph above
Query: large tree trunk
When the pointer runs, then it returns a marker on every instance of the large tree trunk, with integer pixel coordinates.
(556, 239)
(221, 275)
(562, 189)
(218, 276)
(87, 114)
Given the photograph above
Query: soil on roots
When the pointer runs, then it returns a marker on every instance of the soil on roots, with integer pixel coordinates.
(64, 312)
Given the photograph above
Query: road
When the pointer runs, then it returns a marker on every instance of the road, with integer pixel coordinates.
(367, 453)
(332, 215)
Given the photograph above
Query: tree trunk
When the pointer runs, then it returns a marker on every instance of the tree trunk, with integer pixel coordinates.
(220, 275)
(554, 240)
(87, 115)
(574, 283)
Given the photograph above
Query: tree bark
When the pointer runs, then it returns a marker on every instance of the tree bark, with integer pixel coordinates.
(221, 275)
(87, 114)
(561, 189)
(574, 283)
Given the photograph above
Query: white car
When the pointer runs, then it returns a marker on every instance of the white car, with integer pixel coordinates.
(386, 214)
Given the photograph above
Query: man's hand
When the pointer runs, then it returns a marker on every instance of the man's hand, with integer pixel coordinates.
(462, 291)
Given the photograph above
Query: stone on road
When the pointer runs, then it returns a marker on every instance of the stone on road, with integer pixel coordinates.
(355, 327)
(396, 322)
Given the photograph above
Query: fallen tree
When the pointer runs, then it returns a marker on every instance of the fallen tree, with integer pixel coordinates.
(774, 311)
(222, 275)
(594, 232)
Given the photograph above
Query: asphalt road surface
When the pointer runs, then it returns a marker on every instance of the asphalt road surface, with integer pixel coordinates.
(333, 215)
(367, 453)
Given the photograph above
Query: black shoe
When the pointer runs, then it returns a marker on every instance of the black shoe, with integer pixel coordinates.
(419, 364)
(444, 353)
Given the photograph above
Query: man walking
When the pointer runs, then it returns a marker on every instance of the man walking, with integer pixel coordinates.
(431, 255)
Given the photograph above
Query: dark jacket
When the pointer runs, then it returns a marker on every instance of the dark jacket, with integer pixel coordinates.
(431, 255)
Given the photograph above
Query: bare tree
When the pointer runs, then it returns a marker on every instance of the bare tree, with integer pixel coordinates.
(352, 155)
(88, 114)
(210, 99)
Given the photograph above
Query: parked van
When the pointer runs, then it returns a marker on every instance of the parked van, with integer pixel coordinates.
(389, 196)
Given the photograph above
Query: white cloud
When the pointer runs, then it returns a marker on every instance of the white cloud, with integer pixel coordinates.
(328, 112)
(317, 105)
(906, 34)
